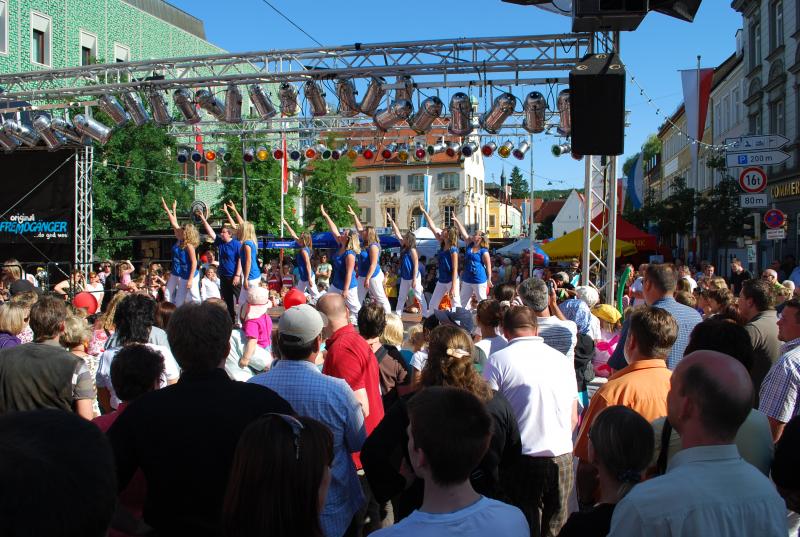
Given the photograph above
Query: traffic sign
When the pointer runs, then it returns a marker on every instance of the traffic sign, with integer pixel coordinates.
(755, 143)
(753, 180)
(776, 234)
(774, 218)
(756, 158)
(753, 201)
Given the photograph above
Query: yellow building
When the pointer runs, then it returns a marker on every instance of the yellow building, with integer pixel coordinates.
(505, 220)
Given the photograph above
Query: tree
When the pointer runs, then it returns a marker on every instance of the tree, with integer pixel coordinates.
(519, 185)
(674, 214)
(628, 165)
(545, 229)
(718, 212)
(132, 171)
(651, 147)
(329, 184)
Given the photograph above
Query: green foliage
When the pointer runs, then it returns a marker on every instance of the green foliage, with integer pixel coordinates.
(548, 195)
(519, 185)
(719, 212)
(629, 162)
(651, 147)
(328, 183)
(545, 229)
(674, 214)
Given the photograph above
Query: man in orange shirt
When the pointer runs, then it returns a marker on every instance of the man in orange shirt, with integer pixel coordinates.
(642, 385)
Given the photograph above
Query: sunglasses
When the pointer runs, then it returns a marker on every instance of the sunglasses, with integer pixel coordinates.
(295, 425)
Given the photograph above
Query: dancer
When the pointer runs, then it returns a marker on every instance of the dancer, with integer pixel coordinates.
(188, 286)
(344, 279)
(475, 279)
(370, 275)
(175, 267)
(306, 281)
(248, 255)
(447, 283)
(410, 277)
(230, 266)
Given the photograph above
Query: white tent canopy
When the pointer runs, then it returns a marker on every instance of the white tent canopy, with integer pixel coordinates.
(516, 248)
(427, 244)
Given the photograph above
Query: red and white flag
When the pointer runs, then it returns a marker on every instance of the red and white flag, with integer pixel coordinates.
(696, 92)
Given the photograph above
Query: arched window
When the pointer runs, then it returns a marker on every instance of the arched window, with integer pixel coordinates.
(754, 107)
(777, 98)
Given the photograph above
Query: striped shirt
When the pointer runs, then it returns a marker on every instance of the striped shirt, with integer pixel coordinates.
(779, 391)
(561, 335)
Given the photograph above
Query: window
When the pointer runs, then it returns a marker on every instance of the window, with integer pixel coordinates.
(390, 183)
(41, 37)
(416, 182)
(726, 113)
(3, 27)
(755, 43)
(776, 24)
(717, 118)
(491, 220)
(777, 117)
(88, 48)
(448, 181)
(122, 53)
(361, 184)
(755, 123)
(389, 211)
(736, 99)
(366, 215)
(449, 212)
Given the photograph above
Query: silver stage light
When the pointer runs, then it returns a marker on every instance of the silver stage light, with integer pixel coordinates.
(261, 101)
(346, 92)
(533, 112)
(210, 104)
(388, 151)
(8, 143)
(158, 104)
(110, 105)
(435, 149)
(406, 91)
(398, 111)
(373, 95)
(460, 115)
(91, 128)
(565, 122)
(503, 106)
(183, 101)
(233, 104)
(452, 149)
(469, 149)
(562, 149)
(68, 131)
(135, 107)
(429, 111)
(520, 150)
(53, 139)
(315, 98)
(287, 95)
(506, 149)
(21, 132)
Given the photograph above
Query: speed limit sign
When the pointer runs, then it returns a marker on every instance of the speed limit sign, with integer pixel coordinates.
(753, 180)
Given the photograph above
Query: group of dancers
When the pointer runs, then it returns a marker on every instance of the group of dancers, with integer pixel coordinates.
(356, 263)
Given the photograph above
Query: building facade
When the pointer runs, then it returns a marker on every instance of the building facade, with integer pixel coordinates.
(504, 221)
(570, 217)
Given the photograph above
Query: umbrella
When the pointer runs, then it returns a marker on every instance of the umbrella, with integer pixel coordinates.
(571, 245)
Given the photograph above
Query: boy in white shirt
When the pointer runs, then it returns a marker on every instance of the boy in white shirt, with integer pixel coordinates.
(209, 288)
(448, 435)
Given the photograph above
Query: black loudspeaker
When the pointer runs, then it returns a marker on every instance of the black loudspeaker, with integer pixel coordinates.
(597, 105)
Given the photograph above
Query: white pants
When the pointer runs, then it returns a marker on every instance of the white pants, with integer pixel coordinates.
(438, 293)
(184, 295)
(171, 288)
(243, 293)
(376, 291)
(405, 286)
(309, 288)
(352, 301)
(470, 289)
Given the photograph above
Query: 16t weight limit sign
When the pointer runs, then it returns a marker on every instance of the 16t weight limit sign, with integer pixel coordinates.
(753, 180)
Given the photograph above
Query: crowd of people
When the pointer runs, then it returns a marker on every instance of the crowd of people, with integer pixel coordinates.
(182, 402)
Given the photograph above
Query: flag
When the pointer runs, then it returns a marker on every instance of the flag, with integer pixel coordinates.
(696, 92)
(635, 188)
(426, 195)
(284, 168)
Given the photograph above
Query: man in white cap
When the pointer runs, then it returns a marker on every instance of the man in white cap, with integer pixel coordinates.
(295, 377)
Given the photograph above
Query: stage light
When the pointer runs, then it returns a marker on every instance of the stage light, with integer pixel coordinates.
(183, 101)
(210, 155)
(158, 104)
(68, 130)
(135, 107)
(249, 154)
(91, 128)
(197, 156)
(325, 152)
(452, 149)
(346, 92)
(429, 111)
(576, 156)
(277, 154)
(22, 132)
(369, 152)
(8, 143)
(565, 122)
(261, 101)
(336, 154)
(183, 156)
(402, 153)
(295, 154)
(521, 149)
(210, 104)
(353, 152)
(398, 111)
(388, 151)
(561, 149)
(52, 139)
(262, 154)
(406, 90)
(373, 96)
(533, 110)
(460, 115)
(503, 106)
(488, 149)
(287, 95)
(233, 104)
(227, 156)
(315, 98)
(110, 105)
(469, 149)
(310, 152)
(420, 152)
(506, 149)
(435, 149)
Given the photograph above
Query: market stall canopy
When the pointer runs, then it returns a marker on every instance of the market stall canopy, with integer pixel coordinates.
(571, 245)
(427, 244)
(517, 248)
(643, 242)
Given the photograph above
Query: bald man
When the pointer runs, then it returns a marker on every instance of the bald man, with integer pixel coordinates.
(708, 489)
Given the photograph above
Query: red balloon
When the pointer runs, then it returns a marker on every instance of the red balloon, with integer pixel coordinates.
(87, 301)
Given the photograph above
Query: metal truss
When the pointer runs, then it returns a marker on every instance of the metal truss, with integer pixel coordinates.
(84, 212)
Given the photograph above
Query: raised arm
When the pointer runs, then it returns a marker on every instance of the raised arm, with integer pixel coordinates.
(487, 262)
(239, 219)
(454, 275)
(356, 219)
(173, 220)
(206, 225)
(231, 220)
(291, 231)
(331, 224)
(394, 227)
(461, 230)
(429, 222)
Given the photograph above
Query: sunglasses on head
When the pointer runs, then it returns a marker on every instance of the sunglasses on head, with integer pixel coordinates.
(297, 429)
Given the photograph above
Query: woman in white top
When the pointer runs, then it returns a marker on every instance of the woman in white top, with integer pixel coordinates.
(490, 322)
(96, 288)
(209, 287)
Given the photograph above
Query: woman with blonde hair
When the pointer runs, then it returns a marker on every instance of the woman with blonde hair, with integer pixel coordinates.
(306, 282)
(184, 252)
(448, 282)
(344, 260)
(410, 276)
(370, 275)
(475, 281)
(249, 253)
(12, 321)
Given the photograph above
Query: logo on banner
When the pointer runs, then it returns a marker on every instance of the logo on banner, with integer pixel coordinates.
(32, 227)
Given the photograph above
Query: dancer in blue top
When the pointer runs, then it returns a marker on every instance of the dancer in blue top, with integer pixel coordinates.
(248, 254)
(188, 287)
(229, 255)
(410, 277)
(344, 279)
(370, 275)
(448, 282)
(306, 281)
(475, 280)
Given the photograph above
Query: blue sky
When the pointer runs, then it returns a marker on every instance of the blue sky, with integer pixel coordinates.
(653, 54)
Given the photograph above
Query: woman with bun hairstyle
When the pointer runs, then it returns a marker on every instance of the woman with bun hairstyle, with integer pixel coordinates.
(410, 277)
(447, 282)
(344, 261)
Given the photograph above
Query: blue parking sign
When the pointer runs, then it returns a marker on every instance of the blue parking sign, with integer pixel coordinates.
(743, 159)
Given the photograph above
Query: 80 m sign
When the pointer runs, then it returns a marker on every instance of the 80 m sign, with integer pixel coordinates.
(753, 180)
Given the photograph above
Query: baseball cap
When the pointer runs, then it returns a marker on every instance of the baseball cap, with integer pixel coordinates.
(294, 297)
(257, 302)
(22, 286)
(461, 318)
(607, 313)
(302, 322)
